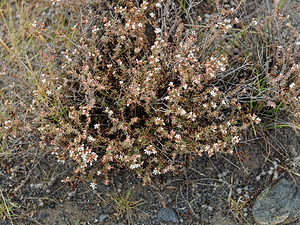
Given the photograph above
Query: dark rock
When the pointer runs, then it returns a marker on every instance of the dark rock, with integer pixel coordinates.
(167, 215)
(298, 139)
(277, 204)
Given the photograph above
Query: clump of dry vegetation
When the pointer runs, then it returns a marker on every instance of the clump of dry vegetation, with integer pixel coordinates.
(145, 86)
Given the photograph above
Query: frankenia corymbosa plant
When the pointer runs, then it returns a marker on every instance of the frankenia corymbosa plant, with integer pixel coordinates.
(126, 92)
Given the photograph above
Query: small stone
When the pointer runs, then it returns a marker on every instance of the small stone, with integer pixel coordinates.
(224, 174)
(39, 185)
(102, 217)
(204, 206)
(71, 193)
(298, 139)
(41, 203)
(167, 215)
(257, 178)
(239, 191)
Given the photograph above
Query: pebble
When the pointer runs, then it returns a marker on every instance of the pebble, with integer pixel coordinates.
(239, 190)
(167, 215)
(41, 203)
(102, 218)
(224, 174)
(71, 193)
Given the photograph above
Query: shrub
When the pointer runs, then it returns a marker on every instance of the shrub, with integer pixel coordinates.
(124, 87)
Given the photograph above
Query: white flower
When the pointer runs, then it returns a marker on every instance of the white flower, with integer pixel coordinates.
(49, 92)
(292, 85)
(157, 30)
(93, 185)
(44, 81)
(134, 166)
(214, 105)
(158, 5)
(34, 24)
(140, 25)
(156, 171)
(257, 120)
(254, 22)
(212, 93)
(90, 138)
(236, 20)
(152, 14)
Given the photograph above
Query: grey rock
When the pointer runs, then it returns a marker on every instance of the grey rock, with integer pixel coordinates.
(167, 215)
(102, 217)
(72, 193)
(277, 204)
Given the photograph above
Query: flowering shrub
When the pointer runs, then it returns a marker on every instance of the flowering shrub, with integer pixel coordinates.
(121, 89)
(128, 97)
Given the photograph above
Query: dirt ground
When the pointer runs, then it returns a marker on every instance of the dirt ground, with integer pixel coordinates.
(217, 190)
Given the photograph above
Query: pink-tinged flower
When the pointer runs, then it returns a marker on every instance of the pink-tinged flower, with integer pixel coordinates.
(159, 121)
(255, 118)
(235, 139)
(157, 30)
(150, 150)
(95, 29)
(156, 171)
(177, 138)
(34, 25)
